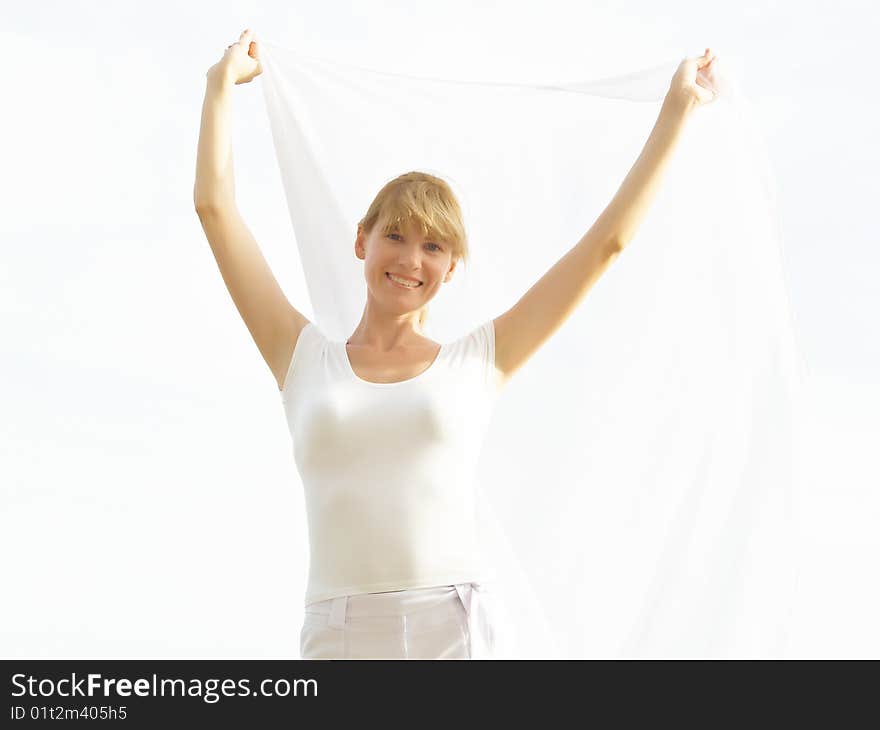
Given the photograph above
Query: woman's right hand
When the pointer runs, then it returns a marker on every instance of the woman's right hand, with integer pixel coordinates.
(241, 61)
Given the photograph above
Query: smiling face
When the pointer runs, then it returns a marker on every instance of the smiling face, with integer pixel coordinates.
(405, 252)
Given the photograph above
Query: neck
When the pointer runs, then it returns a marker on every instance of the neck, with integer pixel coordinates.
(386, 332)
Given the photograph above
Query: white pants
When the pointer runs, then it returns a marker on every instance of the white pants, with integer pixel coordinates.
(440, 622)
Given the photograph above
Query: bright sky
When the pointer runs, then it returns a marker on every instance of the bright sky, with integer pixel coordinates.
(117, 327)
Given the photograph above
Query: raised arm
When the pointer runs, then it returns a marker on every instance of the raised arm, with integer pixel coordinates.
(273, 323)
(522, 329)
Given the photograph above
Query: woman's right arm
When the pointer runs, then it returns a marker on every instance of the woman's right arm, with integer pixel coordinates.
(273, 323)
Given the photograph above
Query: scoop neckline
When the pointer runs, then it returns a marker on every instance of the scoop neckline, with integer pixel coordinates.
(420, 376)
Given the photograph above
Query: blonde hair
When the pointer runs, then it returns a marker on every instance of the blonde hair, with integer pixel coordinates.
(427, 202)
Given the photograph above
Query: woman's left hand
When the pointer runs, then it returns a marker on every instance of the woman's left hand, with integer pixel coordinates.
(694, 82)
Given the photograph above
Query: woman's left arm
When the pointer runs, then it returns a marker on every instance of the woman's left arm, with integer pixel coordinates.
(624, 214)
(522, 329)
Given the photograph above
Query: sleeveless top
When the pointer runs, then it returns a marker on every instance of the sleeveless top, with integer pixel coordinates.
(389, 469)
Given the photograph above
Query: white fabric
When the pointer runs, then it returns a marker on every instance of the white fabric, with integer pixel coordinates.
(441, 622)
(638, 468)
(389, 468)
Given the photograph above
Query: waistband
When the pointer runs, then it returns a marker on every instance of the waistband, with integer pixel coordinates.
(414, 609)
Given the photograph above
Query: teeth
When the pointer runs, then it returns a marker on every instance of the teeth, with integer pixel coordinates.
(403, 281)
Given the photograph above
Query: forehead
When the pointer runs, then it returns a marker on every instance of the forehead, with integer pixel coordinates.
(409, 228)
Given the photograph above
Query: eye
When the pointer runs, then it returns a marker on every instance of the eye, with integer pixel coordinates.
(391, 235)
(438, 248)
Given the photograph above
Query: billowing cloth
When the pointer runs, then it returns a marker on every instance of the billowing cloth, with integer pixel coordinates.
(634, 488)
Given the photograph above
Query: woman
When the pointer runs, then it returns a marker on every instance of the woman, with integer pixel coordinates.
(387, 426)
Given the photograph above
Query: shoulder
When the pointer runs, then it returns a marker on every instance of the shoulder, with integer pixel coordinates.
(305, 340)
(477, 348)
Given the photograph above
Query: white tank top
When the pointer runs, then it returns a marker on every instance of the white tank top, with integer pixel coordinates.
(389, 468)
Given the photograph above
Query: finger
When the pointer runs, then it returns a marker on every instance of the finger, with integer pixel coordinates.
(703, 61)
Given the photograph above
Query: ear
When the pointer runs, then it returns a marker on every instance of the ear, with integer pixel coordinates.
(448, 277)
(360, 243)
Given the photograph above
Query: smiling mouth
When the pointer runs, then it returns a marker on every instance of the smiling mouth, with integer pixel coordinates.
(408, 286)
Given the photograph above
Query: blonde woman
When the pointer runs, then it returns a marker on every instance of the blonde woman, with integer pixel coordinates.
(387, 425)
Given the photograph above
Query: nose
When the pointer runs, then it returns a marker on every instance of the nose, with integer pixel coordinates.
(410, 262)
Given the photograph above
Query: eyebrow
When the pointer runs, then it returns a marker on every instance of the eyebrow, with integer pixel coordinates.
(398, 232)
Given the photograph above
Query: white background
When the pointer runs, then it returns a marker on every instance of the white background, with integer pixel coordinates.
(146, 478)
